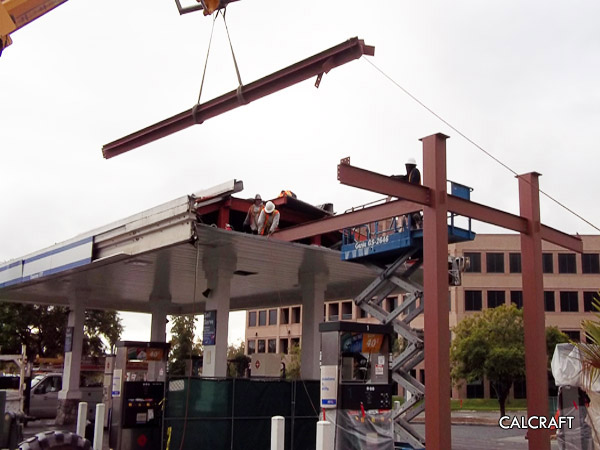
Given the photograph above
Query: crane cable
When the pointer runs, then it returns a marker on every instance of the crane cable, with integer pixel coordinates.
(479, 147)
(223, 12)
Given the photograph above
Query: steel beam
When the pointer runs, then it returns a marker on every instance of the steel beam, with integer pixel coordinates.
(375, 182)
(318, 64)
(335, 223)
(435, 272)
(533, 309)
(364, 179)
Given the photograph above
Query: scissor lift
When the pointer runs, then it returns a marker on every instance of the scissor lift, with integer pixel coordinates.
(394, 248)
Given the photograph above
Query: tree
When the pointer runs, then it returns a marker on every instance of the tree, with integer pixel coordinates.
(590, 349)
(42, 329)
(490, 345)
(183, 347)
(237, 361)
(292, 370)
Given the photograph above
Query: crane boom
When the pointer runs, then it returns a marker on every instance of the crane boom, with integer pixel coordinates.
(15, 14)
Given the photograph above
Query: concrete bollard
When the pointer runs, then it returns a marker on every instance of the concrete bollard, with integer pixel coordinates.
(99, 426)
(81, 418)
(277, 433)
(324, 437)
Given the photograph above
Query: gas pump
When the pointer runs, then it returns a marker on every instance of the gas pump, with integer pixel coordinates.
(356, 384)
(138, 389)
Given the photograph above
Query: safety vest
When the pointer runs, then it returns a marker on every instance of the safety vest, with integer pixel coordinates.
(414, 176)
(287, 194)
(268, 220)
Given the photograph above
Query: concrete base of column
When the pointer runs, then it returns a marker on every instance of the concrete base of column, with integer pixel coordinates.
(67, 411)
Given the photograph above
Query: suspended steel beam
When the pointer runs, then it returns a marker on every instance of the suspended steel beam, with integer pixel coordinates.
(316, 65)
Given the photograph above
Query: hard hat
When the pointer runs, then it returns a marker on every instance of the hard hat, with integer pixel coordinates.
(411, 161)
(257, 197)
(269, 207)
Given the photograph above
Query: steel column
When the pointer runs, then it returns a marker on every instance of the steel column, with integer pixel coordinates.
(435, 265)
(533, 309)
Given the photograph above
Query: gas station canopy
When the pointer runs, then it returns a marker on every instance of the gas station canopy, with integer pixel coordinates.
(164, 254)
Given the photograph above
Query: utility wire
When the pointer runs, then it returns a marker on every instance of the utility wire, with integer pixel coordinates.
(475, 144)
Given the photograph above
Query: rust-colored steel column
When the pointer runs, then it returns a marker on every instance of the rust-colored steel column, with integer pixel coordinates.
(533, 309)
(435, 266)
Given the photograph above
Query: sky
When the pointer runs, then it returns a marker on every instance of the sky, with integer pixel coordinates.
(518, 78)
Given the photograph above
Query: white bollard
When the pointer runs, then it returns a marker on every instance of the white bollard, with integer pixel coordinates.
(99, 426)
(81, 418)
(324, 438)
(277, 433)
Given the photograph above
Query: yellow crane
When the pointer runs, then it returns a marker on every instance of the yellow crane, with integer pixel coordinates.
(15, 14)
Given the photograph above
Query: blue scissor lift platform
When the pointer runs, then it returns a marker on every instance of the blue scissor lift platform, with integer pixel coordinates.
(394, 248)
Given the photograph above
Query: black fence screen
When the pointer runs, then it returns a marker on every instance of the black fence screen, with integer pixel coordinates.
(235, 413)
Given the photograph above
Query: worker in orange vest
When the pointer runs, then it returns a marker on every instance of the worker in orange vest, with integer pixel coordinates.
(286, 193)
(268, 221)
(251, 221)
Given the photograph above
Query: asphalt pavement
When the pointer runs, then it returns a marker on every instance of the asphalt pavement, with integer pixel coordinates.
(470, 430)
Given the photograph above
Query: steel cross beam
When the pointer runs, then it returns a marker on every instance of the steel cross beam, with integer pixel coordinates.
(316, 65)
(415, 197)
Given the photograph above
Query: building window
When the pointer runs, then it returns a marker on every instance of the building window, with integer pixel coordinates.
(473, 301)
(262, 318)
(514, 262)
(475, 389)
(362, 313)
(391, 303)
(495, 298)
(474, 262)
(549, 301)
(516, 298)
(569, 301)
(334, 312)
(547, 263)
(272, 345)
(252, 319)
(590, 263)
(261, 346)
(574, 335)
(284, 318)
(494, 262)
(284, 346)
(588, 301)
(520, 389)
(566, 263)
(251, 347)
(272, 317)
(296, 314)
(346, 310)
(295, 342)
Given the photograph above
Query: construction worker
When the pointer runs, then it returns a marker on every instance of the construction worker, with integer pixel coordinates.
(268, 220)
(286, 193)
(413, 176)
(251, 220)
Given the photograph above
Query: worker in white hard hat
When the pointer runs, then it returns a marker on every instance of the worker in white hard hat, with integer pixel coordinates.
(268, 221)
(412, 173)
(413, 176)
(251, 220)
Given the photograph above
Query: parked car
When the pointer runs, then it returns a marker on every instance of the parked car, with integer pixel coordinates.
(43, 402)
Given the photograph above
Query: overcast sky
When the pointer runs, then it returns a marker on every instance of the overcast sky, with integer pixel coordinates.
(519, 78)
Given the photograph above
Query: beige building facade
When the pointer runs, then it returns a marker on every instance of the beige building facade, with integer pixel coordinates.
(571, 281)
